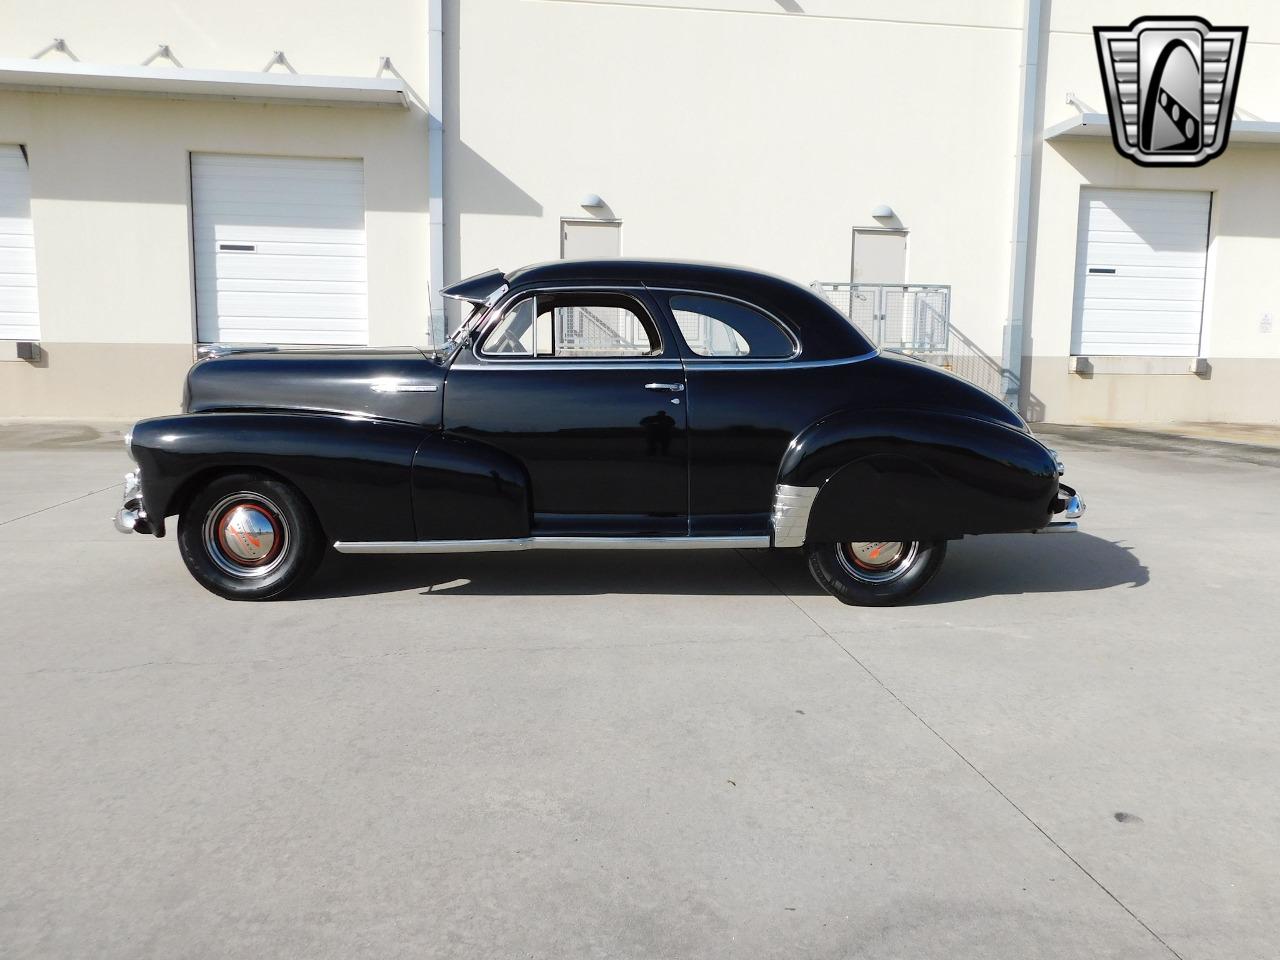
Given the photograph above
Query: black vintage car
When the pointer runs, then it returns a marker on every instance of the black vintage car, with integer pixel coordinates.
(599, 405)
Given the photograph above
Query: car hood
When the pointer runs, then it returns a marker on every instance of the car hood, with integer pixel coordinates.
(401, 384)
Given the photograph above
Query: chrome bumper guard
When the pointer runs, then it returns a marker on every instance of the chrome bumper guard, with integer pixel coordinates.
(1071, 506)
(132, 518)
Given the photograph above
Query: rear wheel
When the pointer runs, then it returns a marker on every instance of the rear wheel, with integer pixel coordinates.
(248, 537)
(875, 573)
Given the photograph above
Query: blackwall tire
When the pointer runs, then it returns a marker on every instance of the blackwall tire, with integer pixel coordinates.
(864, 575)
(249, 537)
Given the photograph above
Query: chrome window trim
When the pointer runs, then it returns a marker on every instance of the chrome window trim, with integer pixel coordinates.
(792, 335)
(496, 313)
(778, 364)
(551, 543)
(551, 363)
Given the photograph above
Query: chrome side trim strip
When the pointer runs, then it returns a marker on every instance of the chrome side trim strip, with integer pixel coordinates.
(550, 543)
(791, 506)
(396, 386)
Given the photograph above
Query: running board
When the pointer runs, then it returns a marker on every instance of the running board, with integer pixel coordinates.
(551, 543)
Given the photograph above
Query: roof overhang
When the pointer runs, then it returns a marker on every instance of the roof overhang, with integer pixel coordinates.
(1098, 125)
(182, 83)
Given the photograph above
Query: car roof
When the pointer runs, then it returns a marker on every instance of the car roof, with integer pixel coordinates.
(824, 332)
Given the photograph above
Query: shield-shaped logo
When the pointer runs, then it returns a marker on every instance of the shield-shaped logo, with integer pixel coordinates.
(1171, 88)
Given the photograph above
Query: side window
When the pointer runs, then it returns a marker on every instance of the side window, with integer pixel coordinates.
(570, 325)
(512, 336)
(722, 328)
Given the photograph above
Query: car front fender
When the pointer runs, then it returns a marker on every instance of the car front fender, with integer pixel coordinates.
(355, 472)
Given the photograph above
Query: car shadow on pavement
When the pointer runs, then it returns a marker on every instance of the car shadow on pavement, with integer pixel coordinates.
(975, 567)
(1005, 564)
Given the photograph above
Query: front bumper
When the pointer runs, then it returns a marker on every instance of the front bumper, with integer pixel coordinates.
(131, 517)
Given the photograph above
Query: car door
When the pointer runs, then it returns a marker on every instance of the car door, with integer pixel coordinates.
(746, 400)
(585, 387)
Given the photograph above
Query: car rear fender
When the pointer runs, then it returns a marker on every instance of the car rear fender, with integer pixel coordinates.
(918, 475)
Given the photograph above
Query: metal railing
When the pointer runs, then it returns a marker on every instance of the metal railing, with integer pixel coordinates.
(904, 317)
(581, 331)
(915, 319)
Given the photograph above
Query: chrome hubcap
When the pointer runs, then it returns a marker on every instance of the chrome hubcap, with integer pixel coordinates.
(877, 561)
(245, 535)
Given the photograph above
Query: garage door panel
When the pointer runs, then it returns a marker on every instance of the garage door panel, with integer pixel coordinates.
(1140, 272)
(297, 233)
(306, 285)
(249, 215)
(304, 277)
(276, 267)
(1147, 258)
(1142, 289)
(19, 304)
(1161, 306)
(310, 330)
(1179, 323)
(289, 306)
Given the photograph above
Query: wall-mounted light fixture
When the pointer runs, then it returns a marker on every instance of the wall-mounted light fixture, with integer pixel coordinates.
(883, 212)
(592, 201)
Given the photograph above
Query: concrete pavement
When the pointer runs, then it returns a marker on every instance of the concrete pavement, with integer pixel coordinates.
(1065, 748)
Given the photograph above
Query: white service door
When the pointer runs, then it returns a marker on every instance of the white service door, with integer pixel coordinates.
(19, 310)
(1140, 264)
(589, 240)
(879, 256)
(279, 250)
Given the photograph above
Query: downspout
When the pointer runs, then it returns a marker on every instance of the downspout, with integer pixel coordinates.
(1028, 111)
(435, 168)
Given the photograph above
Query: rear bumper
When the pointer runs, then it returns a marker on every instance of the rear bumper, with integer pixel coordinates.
(131, 517)
(1069, 506)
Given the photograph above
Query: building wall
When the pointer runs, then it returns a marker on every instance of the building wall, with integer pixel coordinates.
(737, 131)
(111, 195)
(1242, 282)
(752, 131)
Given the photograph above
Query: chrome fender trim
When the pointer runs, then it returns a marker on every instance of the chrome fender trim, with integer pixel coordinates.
(791, 506)
(550, 543)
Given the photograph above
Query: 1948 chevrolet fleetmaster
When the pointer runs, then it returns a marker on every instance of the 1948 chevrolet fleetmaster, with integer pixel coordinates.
(613, 404)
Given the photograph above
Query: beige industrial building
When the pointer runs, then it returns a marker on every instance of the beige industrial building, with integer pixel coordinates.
(174, 174)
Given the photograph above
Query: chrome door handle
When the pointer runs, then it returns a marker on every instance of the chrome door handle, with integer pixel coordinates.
(669, 387)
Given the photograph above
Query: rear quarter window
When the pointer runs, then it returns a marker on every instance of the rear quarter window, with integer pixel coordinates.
(726, 329)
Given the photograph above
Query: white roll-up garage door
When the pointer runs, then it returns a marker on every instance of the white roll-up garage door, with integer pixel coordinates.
(279, 250)
(1140, 265)
(19, 312)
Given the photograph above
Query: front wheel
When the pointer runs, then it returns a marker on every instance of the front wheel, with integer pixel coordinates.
(875, 573)
(248, 537)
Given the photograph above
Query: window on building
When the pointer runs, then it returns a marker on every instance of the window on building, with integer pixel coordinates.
(713, 327)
